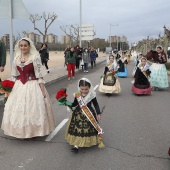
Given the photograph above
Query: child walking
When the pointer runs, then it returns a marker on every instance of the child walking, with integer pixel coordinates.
(83, 129)
(141, 83)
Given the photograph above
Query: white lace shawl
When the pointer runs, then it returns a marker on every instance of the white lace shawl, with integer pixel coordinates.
(112, 66)
(123, 59)
(146, 67)
(34, 57)
(91, 95)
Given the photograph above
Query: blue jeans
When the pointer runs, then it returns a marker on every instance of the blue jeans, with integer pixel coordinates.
(86, 66)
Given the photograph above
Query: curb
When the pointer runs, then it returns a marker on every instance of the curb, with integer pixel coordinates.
(51, 82)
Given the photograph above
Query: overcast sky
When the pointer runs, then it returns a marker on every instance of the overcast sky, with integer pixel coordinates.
(136, 19)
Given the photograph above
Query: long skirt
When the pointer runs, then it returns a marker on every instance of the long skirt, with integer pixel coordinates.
(159, 76)
(141, 91)
(27, 113)
(110, 89)
(124, 73)
(80, 131)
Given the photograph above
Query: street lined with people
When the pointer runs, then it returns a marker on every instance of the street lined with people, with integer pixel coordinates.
(82, 90)
(128, 122)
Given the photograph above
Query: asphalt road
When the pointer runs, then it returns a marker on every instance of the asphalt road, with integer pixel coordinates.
(137, 133)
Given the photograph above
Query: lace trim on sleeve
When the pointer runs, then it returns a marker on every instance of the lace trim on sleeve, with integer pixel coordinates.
(39, 69)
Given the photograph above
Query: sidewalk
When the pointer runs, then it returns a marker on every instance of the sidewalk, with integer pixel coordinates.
(56, 74)
(60, 72)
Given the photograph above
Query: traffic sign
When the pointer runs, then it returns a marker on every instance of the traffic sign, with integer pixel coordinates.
(87, 32)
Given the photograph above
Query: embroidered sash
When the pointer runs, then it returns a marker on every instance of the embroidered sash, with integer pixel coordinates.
(86, 111)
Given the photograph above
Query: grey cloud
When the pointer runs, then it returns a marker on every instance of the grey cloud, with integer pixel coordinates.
(137, 19)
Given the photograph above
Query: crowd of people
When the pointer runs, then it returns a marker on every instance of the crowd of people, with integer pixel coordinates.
(28, 112)
(150, 78)
(78, 57)
(146, 78)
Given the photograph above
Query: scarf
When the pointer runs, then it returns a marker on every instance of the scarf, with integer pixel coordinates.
(71, 53)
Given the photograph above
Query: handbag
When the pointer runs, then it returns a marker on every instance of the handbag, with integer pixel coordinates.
(82, 62)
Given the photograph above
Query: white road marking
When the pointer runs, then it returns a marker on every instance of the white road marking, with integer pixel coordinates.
(22, 166)
(96, 87)
(56, 130)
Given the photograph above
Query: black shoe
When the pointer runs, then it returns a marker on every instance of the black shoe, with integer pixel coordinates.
(74, 149)
(156, 89)
(108, 94)
(47, 71)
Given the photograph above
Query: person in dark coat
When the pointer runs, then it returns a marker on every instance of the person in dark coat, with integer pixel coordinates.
(78, 51)
(2, 56)
(65, 53)
(86, 59)
(71, 63)
(44, 53)
(92, 57)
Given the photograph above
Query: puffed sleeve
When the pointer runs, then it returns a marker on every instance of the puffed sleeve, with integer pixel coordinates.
(164, 58)
(40, 71)
(14, 73)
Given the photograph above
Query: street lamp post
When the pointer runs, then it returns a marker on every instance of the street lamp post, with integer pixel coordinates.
(110, 32)
(11, 34)
(80, 32)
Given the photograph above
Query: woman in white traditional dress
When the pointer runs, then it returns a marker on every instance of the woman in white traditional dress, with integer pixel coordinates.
(28, 111)
(109, 83)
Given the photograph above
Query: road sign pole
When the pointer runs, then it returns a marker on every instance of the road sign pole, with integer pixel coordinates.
(11, 9)
(80, 33)
(11, 33)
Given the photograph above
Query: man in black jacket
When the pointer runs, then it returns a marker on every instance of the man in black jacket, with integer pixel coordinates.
(44, 53)
(2, 56)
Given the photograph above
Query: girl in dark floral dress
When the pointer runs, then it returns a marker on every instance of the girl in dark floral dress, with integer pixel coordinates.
(81, 131)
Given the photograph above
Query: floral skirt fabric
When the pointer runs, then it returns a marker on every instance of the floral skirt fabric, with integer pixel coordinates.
(80, 131)
(27, 113)
(159, 76)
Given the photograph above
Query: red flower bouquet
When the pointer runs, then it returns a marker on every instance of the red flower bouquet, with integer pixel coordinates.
(61, 96)
(113, 72)
(6, 88)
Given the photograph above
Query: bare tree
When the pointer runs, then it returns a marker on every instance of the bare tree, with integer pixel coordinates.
(166, 32)
(48, 20)
(72, 31)
(20, 35)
